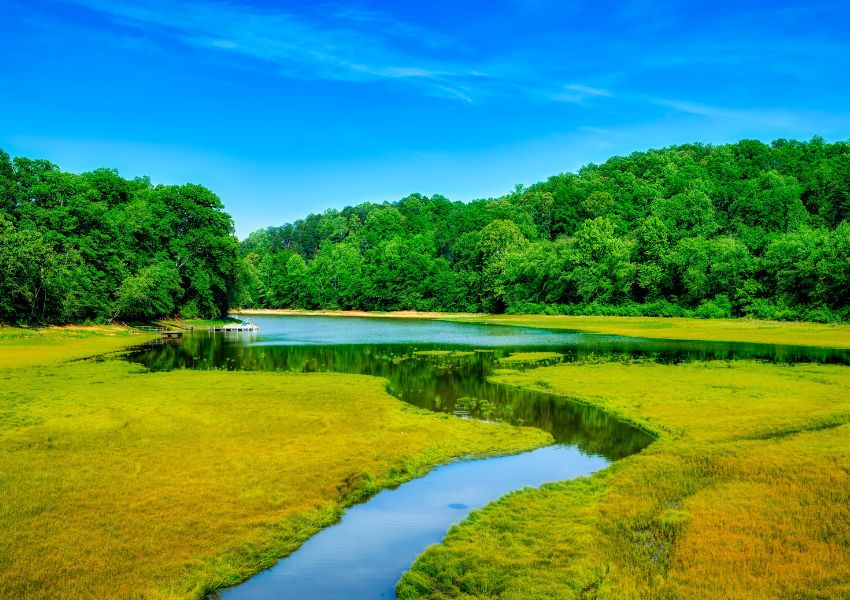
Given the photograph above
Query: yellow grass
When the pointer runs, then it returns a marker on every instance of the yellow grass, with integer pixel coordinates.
(746, 494)
(118, 483)
(718, 330)
(530, 357)
(443, 353)
(21, 347)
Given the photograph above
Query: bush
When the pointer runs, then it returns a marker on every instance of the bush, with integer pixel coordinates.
(718, 308)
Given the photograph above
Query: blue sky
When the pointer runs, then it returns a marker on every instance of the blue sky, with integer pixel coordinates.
(285, 108)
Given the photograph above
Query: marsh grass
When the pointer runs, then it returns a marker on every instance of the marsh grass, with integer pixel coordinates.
(120, 483)
(746, 494)
(443, 353)
(718, 330)
(22, 346)
(531, 358)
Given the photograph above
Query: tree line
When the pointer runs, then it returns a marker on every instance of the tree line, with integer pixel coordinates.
(745, 229)
(98, 247)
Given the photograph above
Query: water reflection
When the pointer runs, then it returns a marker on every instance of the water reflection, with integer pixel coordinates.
(406, 352)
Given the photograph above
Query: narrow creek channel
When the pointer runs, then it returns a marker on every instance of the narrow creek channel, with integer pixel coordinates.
(442, 366)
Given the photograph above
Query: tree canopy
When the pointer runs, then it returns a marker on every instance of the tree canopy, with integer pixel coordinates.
(746, 229)
(96, 246)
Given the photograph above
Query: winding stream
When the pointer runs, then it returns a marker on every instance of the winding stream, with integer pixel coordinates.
(442, 366)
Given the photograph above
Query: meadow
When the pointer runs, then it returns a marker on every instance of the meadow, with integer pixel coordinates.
(116, 482)
(745, 494)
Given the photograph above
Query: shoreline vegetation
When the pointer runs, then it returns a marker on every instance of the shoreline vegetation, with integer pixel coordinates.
(117, 482)
(748, 469)
(745, 493)
(739, 230)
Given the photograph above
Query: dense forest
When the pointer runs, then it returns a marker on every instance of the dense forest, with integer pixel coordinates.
(746, 229)
(97, 247)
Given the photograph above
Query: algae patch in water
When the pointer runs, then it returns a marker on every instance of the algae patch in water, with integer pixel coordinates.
(520, 358)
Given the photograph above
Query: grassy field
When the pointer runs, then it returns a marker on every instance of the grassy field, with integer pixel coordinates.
(715, 330)
(23, 347)
(117, 483)
(746, 494)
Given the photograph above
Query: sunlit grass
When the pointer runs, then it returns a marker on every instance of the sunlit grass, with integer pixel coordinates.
(118, 483)
(443, 353)
(21, 347)
(746, 494)
(719, 330)
(530, 357)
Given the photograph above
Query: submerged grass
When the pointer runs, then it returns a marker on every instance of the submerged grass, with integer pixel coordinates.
(746, 494)
(530, 358)
(118, 483)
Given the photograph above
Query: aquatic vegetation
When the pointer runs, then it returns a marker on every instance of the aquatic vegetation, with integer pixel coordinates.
(118, 482)
(531, 358)
(477, 407)
(746, 494)
(443, 353)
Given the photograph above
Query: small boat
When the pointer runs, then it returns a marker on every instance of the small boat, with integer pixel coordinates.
(244, 325)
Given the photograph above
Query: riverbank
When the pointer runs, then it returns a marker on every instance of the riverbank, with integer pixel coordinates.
(116, 482)
(672, 328)
(744, 495)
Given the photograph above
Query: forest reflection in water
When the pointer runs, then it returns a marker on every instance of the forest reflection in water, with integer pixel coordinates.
(444, 366)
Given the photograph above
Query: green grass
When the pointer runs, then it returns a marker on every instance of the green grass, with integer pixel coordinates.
(530, 358)
(746, 494)
(22, 347)
(719, 330)
(443, 353)
(118, 483)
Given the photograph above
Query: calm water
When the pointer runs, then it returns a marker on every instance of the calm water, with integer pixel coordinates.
(364, 555)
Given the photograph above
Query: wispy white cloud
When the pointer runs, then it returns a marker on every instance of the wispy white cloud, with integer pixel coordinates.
(776, 118)
(331, 42)
(587, 90)
(343, 42)
(577, 93)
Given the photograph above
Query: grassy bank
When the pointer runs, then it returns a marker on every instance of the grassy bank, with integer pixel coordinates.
(746, 494)
(718, 330)
(119, 483)
(22, 347)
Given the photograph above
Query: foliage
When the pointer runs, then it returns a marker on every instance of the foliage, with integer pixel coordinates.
(746, 229)
(95, 246)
